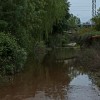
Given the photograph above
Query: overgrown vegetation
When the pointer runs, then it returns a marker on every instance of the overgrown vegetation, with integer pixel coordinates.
(89, 38)
(96, 20)
(89, 60)
(30, 23)
(12, 56)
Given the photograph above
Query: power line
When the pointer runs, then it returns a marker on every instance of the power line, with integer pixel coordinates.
(80, 6)
(81, 10)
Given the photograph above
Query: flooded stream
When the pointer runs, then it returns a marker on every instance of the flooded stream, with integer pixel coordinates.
(55, 77)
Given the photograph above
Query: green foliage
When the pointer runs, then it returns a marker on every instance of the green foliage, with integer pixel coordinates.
(62, 25)
(57, 10)
(88, 33)
(3, 25)
(96, 20)
(73, 21)
(58, 40)
(39, 51)
(85, 40)
(12, 56)
(84, 30)
(30, 22)
(35, 17)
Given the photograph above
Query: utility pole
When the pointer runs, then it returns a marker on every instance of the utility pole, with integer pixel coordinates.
(93, 8)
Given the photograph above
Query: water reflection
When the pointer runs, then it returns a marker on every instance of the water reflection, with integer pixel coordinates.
(81, 80)
(38, 83)
(49, 80)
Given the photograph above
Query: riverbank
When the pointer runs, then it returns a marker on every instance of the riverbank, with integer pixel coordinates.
(90, 60)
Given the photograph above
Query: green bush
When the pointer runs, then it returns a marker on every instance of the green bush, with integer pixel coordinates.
(39, 51)
(12, 56)
(58, 40)
(86, 40)
(3, 25)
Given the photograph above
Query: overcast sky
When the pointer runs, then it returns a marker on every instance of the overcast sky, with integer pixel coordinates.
(82, 8)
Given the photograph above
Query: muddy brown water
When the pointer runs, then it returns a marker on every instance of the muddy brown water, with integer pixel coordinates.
(54, 78)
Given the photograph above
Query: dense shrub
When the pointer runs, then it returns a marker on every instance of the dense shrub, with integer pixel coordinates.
(84, 30)
(96, 20)
(87, 40)
(12, 56)
(58, 40)
(39, 51)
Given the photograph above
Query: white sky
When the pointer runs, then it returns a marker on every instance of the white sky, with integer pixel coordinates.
(82, 8)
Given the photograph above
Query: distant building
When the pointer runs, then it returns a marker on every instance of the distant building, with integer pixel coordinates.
(87, 24)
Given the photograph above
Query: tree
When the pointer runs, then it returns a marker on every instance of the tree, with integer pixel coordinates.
(29, 22)
(33, 17)
(73, 22)
(96, 20)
